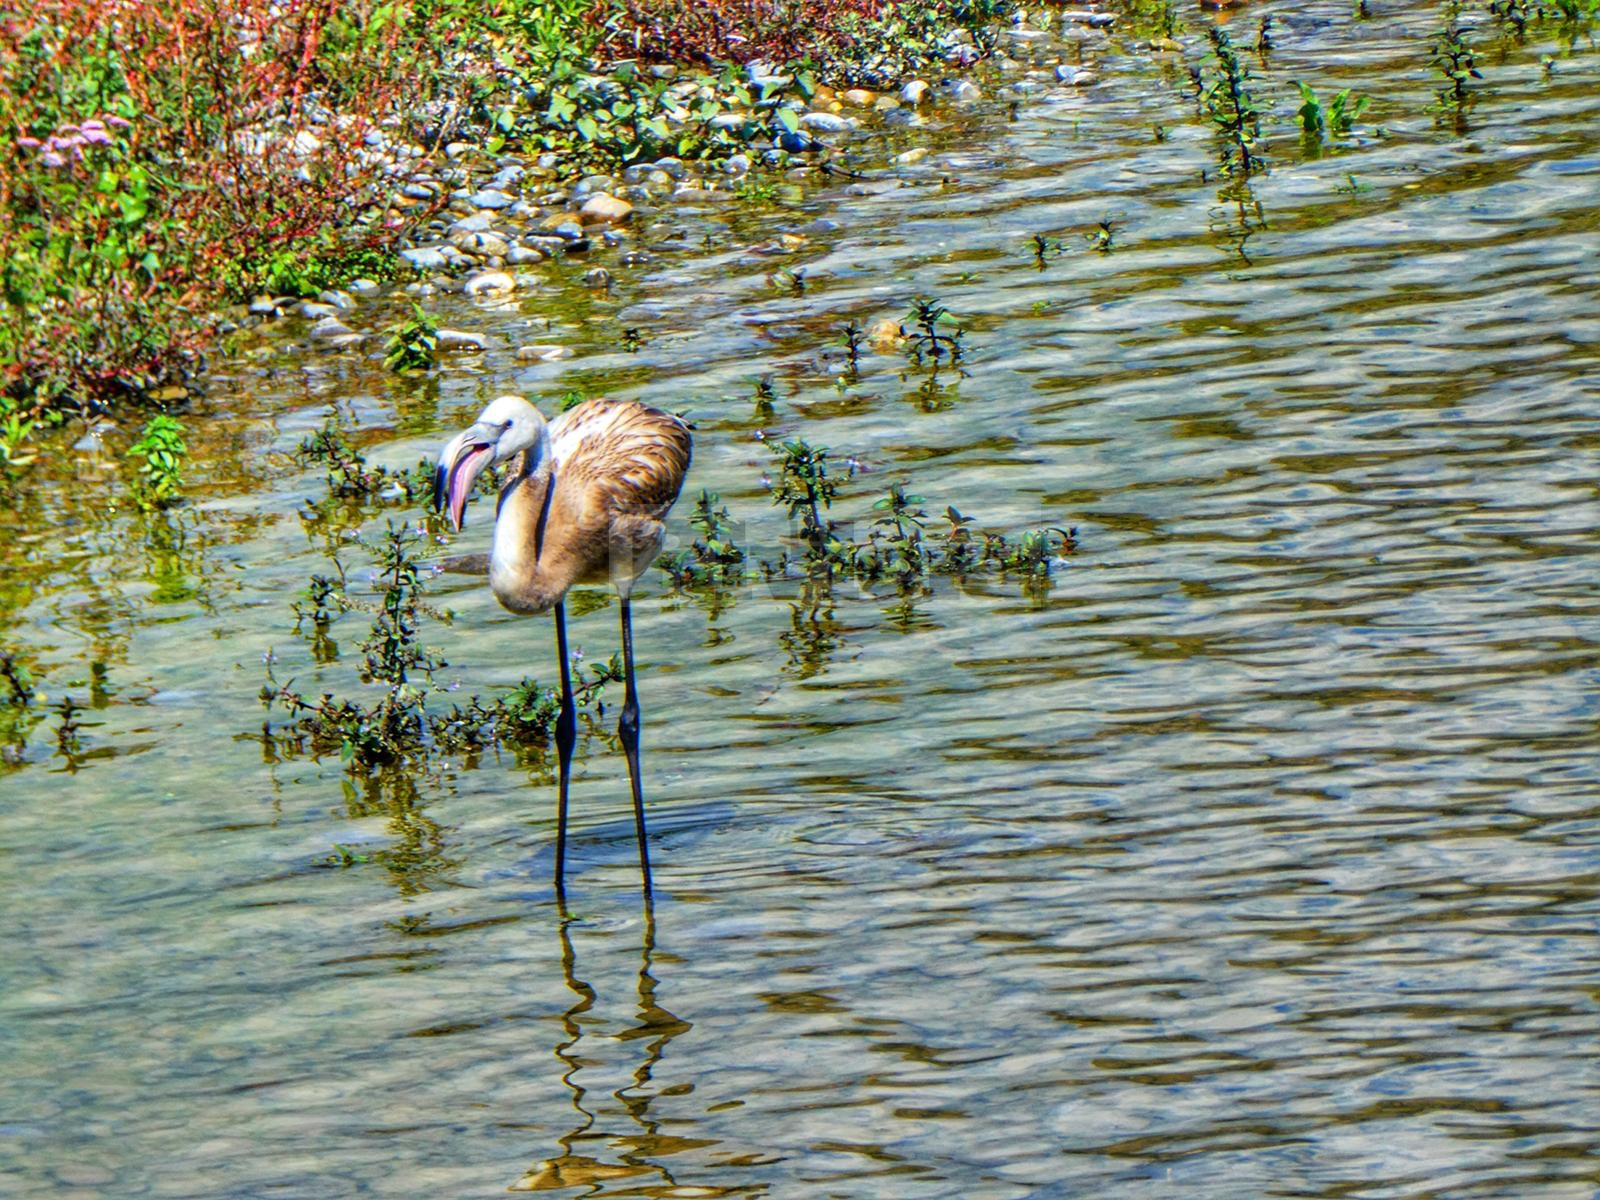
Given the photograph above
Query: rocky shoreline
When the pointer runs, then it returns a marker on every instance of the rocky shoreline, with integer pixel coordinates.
(499, 215)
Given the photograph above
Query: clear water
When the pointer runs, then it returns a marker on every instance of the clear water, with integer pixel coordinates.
(1258, 858)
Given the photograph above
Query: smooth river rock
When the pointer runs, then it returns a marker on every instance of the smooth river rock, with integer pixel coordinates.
(602, 208)
(489, 283)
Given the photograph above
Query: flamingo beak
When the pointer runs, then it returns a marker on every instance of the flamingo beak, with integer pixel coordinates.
(460, 464)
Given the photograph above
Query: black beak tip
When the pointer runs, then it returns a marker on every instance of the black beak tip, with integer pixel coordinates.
(440, 479)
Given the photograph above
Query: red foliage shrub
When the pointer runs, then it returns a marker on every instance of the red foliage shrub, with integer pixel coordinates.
(710, 31)
(233, 131)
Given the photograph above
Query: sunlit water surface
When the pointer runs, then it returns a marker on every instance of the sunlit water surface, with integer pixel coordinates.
(1256, 858)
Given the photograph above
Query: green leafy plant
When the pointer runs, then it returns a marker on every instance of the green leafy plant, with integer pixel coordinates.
(1336, 118)
(398, 726)
(927, 317)
(161, 451)
(1232, 109)
(1456, 62)
(413, 344)
(348, 475)
(713, 557)
(854, 338)
(804, 487)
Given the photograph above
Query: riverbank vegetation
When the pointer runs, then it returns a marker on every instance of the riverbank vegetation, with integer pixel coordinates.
(166, 159)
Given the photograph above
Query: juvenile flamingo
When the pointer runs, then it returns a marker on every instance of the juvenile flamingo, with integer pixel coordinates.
(585, 502)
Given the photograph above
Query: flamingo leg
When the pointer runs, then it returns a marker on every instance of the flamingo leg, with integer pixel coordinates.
(566, 739)
(628, 735)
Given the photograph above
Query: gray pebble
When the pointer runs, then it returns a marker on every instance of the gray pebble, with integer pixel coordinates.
(492, 198)
(542, 353)
(426, 258)
(481, 245)
(590, 184)
(330, 327)
(460, 339)
(826, 122)
(487, 283)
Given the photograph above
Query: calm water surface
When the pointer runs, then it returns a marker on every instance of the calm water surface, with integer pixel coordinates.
(1257, 858)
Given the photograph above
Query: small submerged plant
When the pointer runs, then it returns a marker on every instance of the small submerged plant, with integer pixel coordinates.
(398, 726)
(854, 339)
(804, 487)
(713, 557)
(1232, 109)
(413, 344)
(1102, 236)
(1456, 63)
(161, 449)
(1336, 118)
(927, 317)
(349, 476)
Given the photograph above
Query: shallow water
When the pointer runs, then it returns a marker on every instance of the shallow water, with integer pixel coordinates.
(1258, 857)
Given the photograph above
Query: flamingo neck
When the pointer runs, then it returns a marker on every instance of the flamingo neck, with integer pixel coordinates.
(519, 552)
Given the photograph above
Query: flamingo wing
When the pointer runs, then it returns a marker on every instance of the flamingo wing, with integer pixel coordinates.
(624, 458)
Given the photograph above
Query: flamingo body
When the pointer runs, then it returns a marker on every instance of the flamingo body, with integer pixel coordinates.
(616, 469)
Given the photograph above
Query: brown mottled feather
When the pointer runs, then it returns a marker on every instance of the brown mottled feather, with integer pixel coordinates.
(633, 455)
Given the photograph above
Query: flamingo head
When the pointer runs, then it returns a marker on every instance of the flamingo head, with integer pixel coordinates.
(507, 427)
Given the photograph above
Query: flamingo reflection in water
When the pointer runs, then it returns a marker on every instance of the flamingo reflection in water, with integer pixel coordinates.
(573, 1168)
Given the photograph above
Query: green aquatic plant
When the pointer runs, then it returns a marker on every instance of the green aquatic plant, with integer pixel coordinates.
(1515, 13)
(161, 451)
(20, 707)
(789, 279)
(1102, 237)
(413, 344)
(805, 488)
(927, 317)
(1575, 12)
(756, 189)
(348, 475)
(69, 743)
(1046, 247)
(399, 726)
(854, 339)
(1231, 107)
(14, 430)
(900, 546)
(713, 557)
(764, 397)
(1336, 118)
(1456, 63)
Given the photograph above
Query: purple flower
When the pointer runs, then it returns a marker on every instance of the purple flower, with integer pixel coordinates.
(94, 133)
(29, 142)
(51, 159)
(118, 122)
